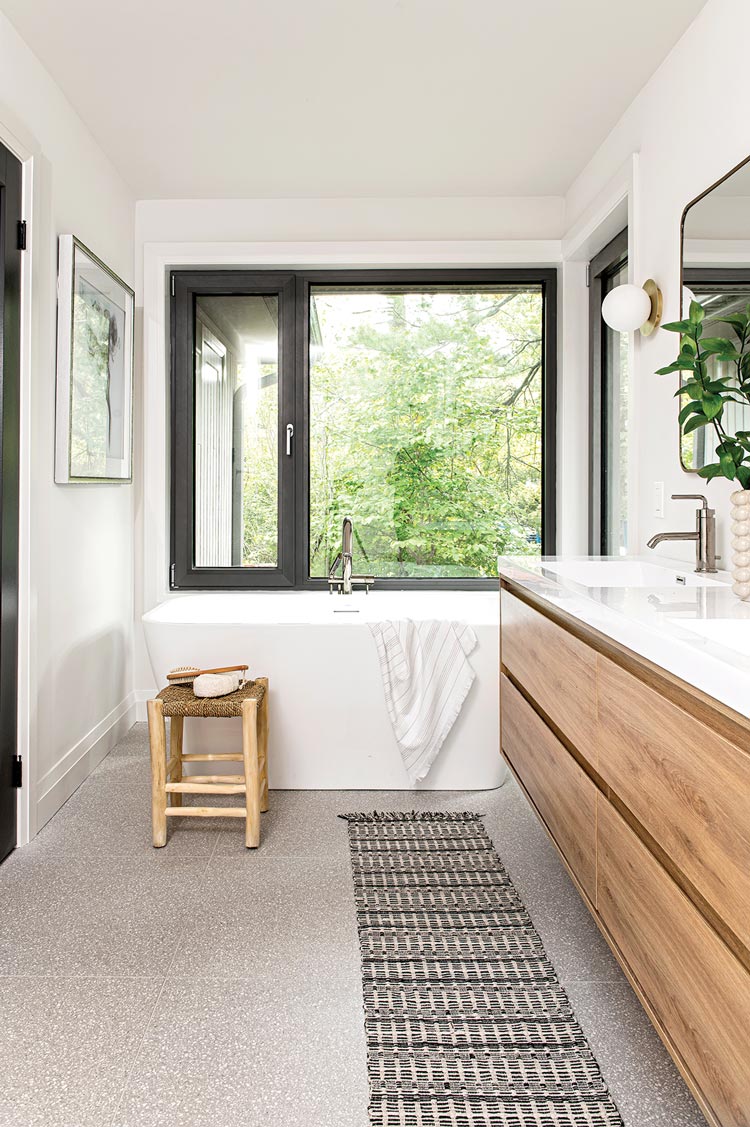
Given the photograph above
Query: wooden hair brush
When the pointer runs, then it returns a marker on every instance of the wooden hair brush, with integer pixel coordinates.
(186, 674)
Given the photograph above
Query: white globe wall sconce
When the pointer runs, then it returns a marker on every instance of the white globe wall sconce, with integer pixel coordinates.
(627, 308)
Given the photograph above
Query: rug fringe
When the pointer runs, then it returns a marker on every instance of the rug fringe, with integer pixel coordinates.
(413, 816)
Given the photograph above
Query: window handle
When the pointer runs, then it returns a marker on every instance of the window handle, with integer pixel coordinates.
(289, 437)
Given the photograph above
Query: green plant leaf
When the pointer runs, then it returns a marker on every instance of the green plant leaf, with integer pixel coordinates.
(713, 469)
(743, 476)
(712, 405)
(715, 386)
(694, 423)
(678, 365)
(679, 327)
(693, 388)
(720, 346)
(696, 312)
(727, 466)
(690, 409)
(738, 321)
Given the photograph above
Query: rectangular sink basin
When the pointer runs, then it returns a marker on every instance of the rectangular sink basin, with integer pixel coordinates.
(729, 632)
(627, 573)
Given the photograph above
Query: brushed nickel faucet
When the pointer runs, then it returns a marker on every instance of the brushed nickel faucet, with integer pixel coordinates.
(346, 581)
(704, 535)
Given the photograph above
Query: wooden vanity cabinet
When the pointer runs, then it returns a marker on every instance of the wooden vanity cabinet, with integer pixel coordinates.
(563, 795)
(643, 784)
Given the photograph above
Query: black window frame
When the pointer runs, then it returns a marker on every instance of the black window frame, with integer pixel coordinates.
(293, 288)
(608, 262)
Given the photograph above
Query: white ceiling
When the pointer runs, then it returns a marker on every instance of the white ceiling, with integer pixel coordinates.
(284, 98)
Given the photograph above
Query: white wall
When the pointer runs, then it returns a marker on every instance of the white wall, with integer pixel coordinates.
(347, 220)
(683, 146)
(77, 553)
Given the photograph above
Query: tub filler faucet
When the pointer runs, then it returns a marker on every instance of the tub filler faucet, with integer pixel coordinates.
(346, 581)
(704, 535)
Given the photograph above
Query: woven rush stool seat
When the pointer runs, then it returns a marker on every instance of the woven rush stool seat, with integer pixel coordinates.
(168, 785)
(180, 700)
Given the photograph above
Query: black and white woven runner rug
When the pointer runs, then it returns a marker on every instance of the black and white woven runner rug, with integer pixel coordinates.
(465, 1020)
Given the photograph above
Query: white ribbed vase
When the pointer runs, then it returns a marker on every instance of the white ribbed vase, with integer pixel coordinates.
(741, 543)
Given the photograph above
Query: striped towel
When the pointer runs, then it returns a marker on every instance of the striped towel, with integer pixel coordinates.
(426, 677)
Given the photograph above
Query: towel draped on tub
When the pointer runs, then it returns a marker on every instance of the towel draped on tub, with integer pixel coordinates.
(426, 678)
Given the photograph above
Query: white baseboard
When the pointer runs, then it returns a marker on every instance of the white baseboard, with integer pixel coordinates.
(59, 783)
(141, 696)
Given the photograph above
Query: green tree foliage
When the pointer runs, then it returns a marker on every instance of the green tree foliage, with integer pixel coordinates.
(260, 472)
(425, 428)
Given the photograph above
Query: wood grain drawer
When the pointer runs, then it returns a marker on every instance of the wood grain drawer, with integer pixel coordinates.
(554, 667)
(688, 786)
(696, 988)
(563, 794)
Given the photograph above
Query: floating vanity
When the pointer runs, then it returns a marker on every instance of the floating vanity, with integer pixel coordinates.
(625, 705)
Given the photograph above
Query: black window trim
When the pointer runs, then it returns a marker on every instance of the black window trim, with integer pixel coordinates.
(607, 262)
(294, 487)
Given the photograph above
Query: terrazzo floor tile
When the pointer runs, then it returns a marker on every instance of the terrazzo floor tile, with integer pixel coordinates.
(66, 1048)
(281, 920)
(648, 1087)
(254, 959)
(249, 1054)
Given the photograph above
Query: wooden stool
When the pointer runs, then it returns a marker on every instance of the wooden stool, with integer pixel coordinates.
(178, 701)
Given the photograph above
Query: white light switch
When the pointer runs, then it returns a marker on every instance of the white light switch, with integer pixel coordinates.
(659, 499)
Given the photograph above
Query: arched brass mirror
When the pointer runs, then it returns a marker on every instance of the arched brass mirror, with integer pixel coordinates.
(715, 264)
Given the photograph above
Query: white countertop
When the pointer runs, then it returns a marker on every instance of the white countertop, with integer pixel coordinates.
(700, 632)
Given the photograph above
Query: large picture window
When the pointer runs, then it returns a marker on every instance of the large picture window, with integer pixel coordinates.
(420, 405)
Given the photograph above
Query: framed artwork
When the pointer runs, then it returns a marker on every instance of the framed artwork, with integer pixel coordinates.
(94, 407)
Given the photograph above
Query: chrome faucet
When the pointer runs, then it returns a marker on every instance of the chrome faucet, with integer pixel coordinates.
(346, 580)
(704, 535)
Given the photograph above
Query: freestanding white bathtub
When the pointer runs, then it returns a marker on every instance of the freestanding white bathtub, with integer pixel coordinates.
(329, 725)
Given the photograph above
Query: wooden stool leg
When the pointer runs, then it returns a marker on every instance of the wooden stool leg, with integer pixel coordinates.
(176, 727)
(158, 740)
(263, 745)
(252, 772)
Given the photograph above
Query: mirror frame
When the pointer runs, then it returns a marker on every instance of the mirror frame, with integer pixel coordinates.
(683, 217)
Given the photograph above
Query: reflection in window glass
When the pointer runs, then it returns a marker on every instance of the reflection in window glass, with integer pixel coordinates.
(425, 427)
(719, 299)
(236, 431)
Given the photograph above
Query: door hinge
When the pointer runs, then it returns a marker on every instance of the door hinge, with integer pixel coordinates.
(171, 576)
(21, 230)
(172, 286)
(588, 274)
(17, 772)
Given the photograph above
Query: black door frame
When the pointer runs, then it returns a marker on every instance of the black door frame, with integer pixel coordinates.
(10, 387)
(609, 259)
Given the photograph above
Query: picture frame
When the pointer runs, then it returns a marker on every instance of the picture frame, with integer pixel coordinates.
(95, 347)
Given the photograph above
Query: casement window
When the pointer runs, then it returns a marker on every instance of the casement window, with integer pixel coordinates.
(419, 404)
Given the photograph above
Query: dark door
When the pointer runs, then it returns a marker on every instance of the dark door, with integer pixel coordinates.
(11, 240)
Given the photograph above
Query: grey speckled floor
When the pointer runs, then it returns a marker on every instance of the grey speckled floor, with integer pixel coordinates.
(203, 985)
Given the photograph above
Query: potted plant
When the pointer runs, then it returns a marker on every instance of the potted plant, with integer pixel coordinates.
(706, 394)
